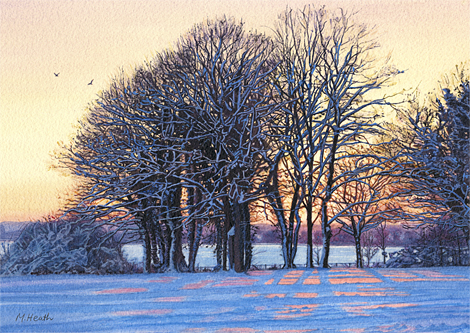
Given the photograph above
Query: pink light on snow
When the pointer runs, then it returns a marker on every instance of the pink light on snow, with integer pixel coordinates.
(197, 285)
(355, 280)
(164, 279)
(143, 312)
(236, 282)
(171, 299)
(289, 331)
(370, 293)
(359, 310)
(275, 295)
(305, 295)
(121, 291)
(259, 273)
(270, 281)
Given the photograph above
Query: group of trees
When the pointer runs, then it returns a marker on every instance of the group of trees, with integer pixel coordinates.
(434, 138)
(229, 119)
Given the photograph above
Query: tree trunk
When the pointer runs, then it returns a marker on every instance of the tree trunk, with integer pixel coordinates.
(293, 233)
(167, 245)
(238, 261)
(326, 228)
(148, 249)
(160, 239)
(467, 236)
(295, 239)
(326, 236)
(309, 232)
(219, 243)
(276, 204)
(177, 260)
(153, 242)
(172, 265)
(247, 236)
(191, 229)
(359, 259)
(274, 199)
(231, 247)
(191, 245)
(197, 241)
(228, 225)
(197, 233)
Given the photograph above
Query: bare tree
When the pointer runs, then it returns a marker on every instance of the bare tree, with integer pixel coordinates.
(326, 72)
(382, 236)
(297, 37)
(365, 199)
(369, 249)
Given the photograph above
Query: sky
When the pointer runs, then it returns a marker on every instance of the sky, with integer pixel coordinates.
(93, 40)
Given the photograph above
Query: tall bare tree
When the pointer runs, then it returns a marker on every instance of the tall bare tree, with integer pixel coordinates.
(326, 73)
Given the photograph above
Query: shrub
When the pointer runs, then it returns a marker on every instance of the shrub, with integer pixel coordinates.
(428, 256)
(59, 246)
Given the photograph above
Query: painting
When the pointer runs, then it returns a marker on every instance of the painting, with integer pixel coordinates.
(234, 166)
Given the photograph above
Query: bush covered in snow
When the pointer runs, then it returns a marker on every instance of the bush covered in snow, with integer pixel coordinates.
(62, 247)
(427, 256)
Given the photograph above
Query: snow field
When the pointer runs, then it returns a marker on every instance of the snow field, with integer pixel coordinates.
(299, 300)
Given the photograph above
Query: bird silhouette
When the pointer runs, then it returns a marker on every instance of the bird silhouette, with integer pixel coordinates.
(91, 82)
(56, 74)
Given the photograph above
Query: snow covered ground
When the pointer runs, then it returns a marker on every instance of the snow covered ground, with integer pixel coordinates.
(300, 300)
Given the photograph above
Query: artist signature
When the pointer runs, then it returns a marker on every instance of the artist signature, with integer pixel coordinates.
(32, 317)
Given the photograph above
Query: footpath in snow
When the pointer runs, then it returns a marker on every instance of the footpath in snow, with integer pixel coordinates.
(300, 300)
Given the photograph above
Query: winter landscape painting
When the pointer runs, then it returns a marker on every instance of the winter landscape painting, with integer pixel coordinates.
(235, 166)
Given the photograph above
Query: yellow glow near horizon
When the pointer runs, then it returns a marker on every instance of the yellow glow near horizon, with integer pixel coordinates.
(84, 40)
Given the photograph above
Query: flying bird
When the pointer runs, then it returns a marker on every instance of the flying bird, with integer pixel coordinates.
(91, 82)
(56, 74)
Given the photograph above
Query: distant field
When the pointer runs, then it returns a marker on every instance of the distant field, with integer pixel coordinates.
(265, 233)
(11, 230)
(265, 255)
(301, 300)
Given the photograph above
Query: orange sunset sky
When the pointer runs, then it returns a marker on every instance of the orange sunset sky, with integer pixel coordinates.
(85, 40)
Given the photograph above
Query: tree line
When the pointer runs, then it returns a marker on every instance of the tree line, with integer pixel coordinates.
(230, 123)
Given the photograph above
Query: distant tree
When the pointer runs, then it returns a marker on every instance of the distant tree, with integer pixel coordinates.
(369, 249)
(317, 245)
(365, 199)
(382, 234)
